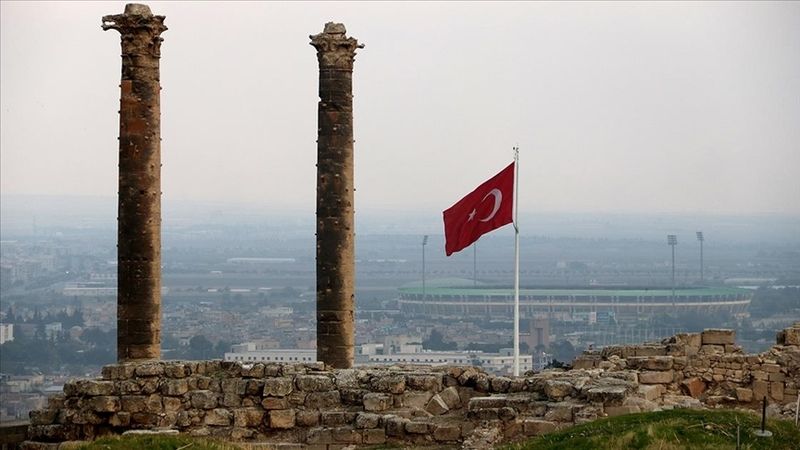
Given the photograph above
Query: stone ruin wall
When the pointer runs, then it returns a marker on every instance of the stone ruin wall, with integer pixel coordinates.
(312, 406)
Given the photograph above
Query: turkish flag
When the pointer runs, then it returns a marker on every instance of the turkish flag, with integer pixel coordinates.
(488, 207)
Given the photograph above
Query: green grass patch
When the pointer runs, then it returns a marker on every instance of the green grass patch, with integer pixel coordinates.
(670, 430)
(157, 442)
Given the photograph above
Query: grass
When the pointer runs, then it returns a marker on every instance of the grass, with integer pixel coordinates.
(157, 442)
(670, 430)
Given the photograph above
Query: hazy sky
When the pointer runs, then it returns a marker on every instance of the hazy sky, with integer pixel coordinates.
(617, 107)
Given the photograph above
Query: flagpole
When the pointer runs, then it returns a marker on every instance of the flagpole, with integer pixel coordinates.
(516, 261)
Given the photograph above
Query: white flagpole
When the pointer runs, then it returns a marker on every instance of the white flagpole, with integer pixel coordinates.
(516, 261)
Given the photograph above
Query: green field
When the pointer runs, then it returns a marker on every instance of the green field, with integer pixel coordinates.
(670, 430)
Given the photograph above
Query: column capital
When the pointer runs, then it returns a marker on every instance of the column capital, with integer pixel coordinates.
(136, 18)
(334, 49)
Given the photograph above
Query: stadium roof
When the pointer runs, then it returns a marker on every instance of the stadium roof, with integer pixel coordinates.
(586, 292)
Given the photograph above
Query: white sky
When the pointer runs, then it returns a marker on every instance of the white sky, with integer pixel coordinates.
(617, 107)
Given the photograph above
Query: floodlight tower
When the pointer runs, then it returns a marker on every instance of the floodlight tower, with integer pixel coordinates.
(672, 240)
(701, 239)
(424, 243)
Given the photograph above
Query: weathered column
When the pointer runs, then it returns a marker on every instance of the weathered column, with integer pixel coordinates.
(139, 208)
(335, 222)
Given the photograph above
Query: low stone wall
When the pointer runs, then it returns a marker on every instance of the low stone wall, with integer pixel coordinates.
(709, 367)
(310, 405)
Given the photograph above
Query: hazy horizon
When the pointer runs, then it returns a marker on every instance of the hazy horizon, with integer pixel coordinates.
(624, 108)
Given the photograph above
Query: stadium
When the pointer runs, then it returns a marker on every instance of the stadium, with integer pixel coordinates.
(622, 303)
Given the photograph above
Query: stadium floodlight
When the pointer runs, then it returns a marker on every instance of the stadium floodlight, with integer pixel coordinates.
(424, 243)
(672, 240)
(700, 239)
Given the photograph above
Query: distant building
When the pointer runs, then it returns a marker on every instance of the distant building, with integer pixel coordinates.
(6, 332)
(281, 355)
(370, 354)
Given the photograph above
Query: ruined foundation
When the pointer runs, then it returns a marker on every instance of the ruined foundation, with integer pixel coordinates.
(335, 213)
(139, 213)
(313, 406)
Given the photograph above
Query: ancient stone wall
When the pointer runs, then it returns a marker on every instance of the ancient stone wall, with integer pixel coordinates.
(317, 407)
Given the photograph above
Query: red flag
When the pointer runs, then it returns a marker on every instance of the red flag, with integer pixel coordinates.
(488, 207)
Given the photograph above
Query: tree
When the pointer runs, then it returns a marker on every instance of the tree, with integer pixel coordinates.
(200, 347)
(436, 342)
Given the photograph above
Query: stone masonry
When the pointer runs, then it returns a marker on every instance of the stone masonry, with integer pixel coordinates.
(313, 406)
(335, 197)
(139, 211)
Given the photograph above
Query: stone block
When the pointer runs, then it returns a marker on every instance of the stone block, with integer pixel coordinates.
(92, 387)
(651, 392)
(651, 362)
(436, 406)
(649, 350)
(395, 426)
(279, 387)
(585, 362)
(202, 399)
(319, 436)
(424, 382)
(607, 394)
(231, 400)
(247, 417)
(760, 389)
(557, 389)
(791, 336)
(450, 397)
(307, 418)
(270, 403)
(346, 435)
(282, 418)
(122, 371)
(394, 384)
(176, 370)
(253, 370)
(373, 436)
(653, 377)
(323, 400)
(336, 418)
(218, 417)
(175, 387)
(535, 427)
(447, 433)
(500, 384)
(352, 397)
(559, 412)
(497, 401)
(778, 376)
(718, 337)
(416, 399)
(693, 387)
(133, 403)
(776, 390)
(312, 383)
(416, 427)
(153, 369)
(43, 416)
(367, 420)
(104, 403)
(744, 395)
(712, 349)
(377, 402)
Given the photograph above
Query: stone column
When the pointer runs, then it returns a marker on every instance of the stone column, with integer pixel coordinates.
(139, 207)
(335, 221)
